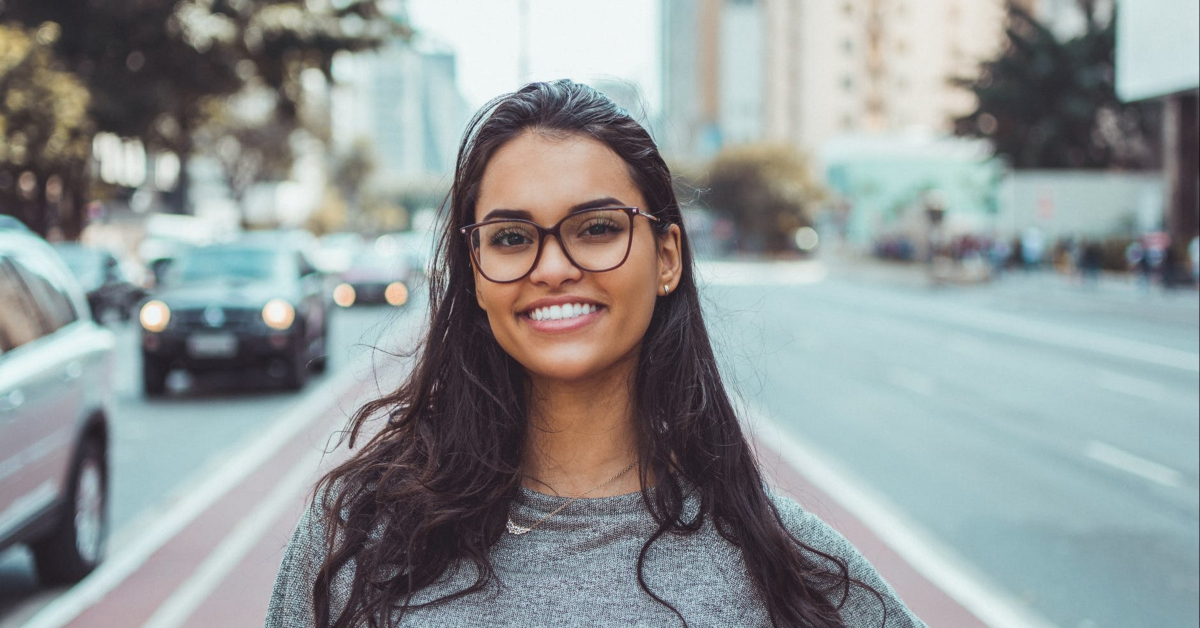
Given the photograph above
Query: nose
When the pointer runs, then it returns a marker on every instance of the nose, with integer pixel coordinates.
(553, 267)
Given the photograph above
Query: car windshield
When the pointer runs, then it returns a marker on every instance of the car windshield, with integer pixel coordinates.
(227, 264)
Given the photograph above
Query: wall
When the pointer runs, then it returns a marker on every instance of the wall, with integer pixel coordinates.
(1081, 203)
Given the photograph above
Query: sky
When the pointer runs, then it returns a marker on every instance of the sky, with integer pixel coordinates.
(573, 39)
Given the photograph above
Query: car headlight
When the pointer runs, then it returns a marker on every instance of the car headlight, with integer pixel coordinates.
(396, 294)
(278, 314)
(344, 295)
(154, 316)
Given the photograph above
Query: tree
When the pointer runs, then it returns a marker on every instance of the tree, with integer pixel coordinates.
(249, 148)
(45, 132)
(155, 67)
(767, 192)
(1049, 103)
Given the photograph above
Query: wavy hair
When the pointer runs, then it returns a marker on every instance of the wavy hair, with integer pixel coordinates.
(432, 487)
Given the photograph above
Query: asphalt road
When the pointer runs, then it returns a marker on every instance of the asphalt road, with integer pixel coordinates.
(161, 448)
(1044, 432)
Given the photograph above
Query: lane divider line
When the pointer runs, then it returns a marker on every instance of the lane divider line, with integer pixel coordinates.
(1132, 386)
(929, 557)
(1041, 332)
(1130, 463)
(237, 468)
(184, 601)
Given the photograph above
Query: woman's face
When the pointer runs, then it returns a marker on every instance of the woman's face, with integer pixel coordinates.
(547, 177)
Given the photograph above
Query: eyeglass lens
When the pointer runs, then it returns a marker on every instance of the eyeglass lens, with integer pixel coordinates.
(596, 240)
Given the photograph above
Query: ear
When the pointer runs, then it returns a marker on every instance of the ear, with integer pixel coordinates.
(670, 261)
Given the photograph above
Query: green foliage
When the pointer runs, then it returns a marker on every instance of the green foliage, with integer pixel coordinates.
(249, 150)
(45, 130)
(1049, 103)
(768, 191)
(163, 71)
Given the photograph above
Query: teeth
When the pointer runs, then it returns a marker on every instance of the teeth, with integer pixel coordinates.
(559, 312)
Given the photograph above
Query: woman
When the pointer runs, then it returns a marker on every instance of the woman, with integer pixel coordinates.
(564, 452)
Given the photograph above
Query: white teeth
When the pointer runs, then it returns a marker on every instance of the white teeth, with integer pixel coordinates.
(559, 312)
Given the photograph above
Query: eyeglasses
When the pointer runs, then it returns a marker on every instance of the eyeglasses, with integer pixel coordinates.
(594, 240)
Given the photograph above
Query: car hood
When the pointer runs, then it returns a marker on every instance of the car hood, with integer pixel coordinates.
(225, 294)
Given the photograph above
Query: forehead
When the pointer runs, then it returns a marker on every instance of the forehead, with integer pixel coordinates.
(547, 175)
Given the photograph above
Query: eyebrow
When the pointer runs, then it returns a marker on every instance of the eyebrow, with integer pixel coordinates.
(522, 214)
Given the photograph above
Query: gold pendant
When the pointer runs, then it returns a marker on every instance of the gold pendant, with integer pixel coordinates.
(516, 529)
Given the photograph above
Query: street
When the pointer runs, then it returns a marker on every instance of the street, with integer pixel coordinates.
(1042, 433)
(1060, 464)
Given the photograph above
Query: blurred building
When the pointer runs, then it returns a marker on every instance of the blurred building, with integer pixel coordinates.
(801, 72)
(403, 101)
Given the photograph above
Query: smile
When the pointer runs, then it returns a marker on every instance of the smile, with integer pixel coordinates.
(562, 312)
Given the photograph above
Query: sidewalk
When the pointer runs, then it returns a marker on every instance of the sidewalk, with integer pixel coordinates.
(1113, 286)
(213, 562)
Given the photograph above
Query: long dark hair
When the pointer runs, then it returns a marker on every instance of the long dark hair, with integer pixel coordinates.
(432, 487)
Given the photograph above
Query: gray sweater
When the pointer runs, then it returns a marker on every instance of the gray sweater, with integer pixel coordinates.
(578, 568)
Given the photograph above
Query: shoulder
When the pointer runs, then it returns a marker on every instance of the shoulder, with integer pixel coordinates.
(809, 528)
(291, 603)
(861, 607)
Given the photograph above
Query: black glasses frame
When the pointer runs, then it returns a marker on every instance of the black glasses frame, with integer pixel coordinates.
(633, 212)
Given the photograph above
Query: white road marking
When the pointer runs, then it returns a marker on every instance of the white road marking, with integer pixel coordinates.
(1037, 331)
(938, 563)
(237, 467)
(1130, 463)
(184, 601)
(1129, 385)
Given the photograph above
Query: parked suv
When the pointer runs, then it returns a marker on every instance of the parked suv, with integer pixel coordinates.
(55, 402)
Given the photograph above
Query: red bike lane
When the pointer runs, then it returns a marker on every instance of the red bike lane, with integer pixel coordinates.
(218, 569)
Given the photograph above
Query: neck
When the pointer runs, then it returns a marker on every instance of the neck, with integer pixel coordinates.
(580, 435)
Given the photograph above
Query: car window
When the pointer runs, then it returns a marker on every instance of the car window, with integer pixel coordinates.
(50, 298)
(223, 263)
(302, 263)
(20, 319)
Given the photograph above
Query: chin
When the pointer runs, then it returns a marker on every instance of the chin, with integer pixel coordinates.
(567, 365)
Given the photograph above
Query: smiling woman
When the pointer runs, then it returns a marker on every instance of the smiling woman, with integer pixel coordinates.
(564, 452)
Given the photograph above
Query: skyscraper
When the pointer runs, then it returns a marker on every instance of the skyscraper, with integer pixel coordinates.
(799, 72)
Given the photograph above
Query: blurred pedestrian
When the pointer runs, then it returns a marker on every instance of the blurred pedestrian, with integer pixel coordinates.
(1091, 258)
(1136, 260)
(564, 421)
(999, 254)
(1032, 247)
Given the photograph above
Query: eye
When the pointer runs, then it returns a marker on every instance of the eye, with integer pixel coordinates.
(509, 237)
(599, 227)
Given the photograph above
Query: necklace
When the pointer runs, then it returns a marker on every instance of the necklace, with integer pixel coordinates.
(519, 530)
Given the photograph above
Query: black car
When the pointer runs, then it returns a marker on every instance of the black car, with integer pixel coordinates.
(56, 368)
(108, 288)
(253, 305)
(374, 278)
